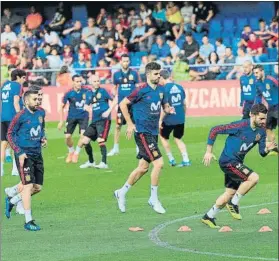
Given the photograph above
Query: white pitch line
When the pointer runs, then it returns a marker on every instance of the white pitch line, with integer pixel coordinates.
(153, 236)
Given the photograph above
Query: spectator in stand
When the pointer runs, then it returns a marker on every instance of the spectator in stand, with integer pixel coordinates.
(64, 77)
(144, 11)
(8, 37)
(102, 18)
(108, 32)
(275, 71)
(39, 78)
(114, 65)
(174, 49)
(52, 38)
(263, 32)
(144, 62)
(67, 55)
(122, 18)
(10, 18)
(4, 53)
(159, 14)
(120, 50)
(214, 68)
(255, 47)
(120, 33)
(138, 32)
(180, 70)
(4, 69)
(148, 38)
(25, 50)
(121, 13)
(187, 13)
(83, 48)
(58, 21)
(160, 48)
(245, 36)
(227, 72)
(23, 32)
(110, 50)
(104, 74)
(31, 41)
(202, 14)
(175, 19)
(14, 58)
(190, 48)
(198, 73)
(91, 33)
(75, 34)
(273, 31)
(206, 48)
(34, 19)
(54, 62)
(44, 51)
(80, 63)
(239, 60)
(220, 48)
(132, 19)
(25, 64)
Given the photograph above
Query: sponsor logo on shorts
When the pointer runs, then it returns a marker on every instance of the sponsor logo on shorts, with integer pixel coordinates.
(27, 178)
(26, 169)
(245, 171)
(155, 153)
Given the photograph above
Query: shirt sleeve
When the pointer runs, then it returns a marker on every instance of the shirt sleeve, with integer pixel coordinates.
(231, 128)
(262, 145)
(135, 96)
(65, 98)
(12, 134)
(136, 77)
(107, 95)
(115, 79)
(88, 100)
(43, 125)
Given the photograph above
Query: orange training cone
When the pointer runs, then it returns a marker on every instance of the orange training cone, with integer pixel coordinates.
(264, 211)
(136, 229)
(184, 229)
(225, 229)
(265, 229)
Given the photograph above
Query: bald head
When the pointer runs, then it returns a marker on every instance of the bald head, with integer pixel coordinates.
(247, 67)
(95, 81)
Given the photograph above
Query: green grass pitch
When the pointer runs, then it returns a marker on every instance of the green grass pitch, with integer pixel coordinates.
(81, 222)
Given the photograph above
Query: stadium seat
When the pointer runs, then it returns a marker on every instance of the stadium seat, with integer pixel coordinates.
(140, 54)
(227, 41)
(94, 60)
(16, 29)
(241, 22)
(272, 54)
(254, 23)
(79, 12)
(228, 25)
(180, 42)
(215, 26)
(136, 61)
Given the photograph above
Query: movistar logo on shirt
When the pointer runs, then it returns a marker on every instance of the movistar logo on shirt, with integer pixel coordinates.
(174, 89)
(80, 104)
(155, 106)
(245, 147)
(5, 96)
(35, 132)
(266, 94)
(247, 89)
(176, 99)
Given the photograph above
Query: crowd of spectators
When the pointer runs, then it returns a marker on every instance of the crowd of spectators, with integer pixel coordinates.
(163, 32)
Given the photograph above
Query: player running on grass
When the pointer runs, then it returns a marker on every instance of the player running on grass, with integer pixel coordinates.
(26, 135)
(99, 128)
(76, 98)
(267, 87)
(146, 103)
(175, 96)
(248, 89)
(125, 81)
(11, 93)
(10, 191)
(239, 179)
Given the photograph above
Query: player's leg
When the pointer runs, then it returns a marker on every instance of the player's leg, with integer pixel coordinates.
(8, 157)
(83, 124)
(103, 128)
(165, 132)
(178, 134)
(4, 143)
(117, 132)
(70, 128)
(89, 134)
(14, 169)
(133, 178)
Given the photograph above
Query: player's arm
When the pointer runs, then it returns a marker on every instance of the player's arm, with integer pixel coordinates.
(259, 96)
(266, 146)
(43, 139)
(125, 111)
(111, 106)
(16, 103)
(162, 116)
(231, 128)
(13, 139)
(61, 111)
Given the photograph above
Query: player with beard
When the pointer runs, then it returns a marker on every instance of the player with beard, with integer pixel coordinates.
(26, 136)
(239, 179)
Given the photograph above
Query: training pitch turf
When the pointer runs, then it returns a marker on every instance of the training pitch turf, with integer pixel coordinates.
(81, 222)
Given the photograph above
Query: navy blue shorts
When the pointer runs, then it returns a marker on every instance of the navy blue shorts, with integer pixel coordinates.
(272, 117)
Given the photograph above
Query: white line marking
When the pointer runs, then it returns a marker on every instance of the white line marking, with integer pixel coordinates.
(154, 237)
(62, 157)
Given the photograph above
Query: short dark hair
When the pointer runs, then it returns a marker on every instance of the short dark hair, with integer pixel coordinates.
(259, 66)
(17, 73)
(28, 93)
(220, 40)
(125, 56)
(34, 87)
(229, 47)
(11, 66)
(258, 108)
(165, 74)
(75, 76)
(152, 66)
